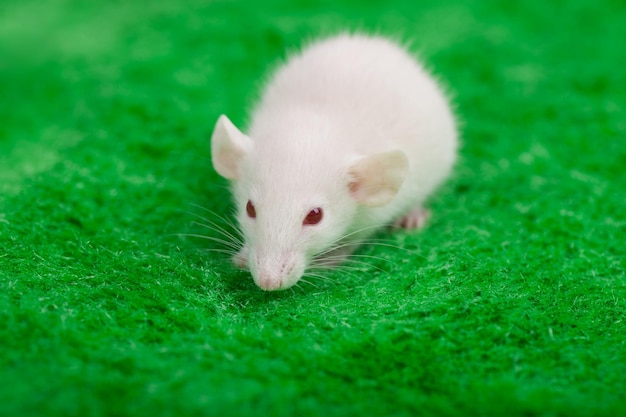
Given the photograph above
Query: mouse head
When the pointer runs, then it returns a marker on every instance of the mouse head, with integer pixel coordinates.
(293, 207)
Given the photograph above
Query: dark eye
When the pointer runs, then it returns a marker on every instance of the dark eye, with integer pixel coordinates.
(314, 216)
(250, 210)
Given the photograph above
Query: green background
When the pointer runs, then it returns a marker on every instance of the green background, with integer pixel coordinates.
(512, 303)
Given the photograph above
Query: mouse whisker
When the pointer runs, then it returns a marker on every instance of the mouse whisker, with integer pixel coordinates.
(322, 265)
(355, 232)
(304, 281)
(219, 230)
(312, 273)
(318, 277)
(217, 250)
(363, 265)
(375, 257)
(344, 240)
(350, 272)
(235, 229)
(336, 247)
(387, 244)
(230, 244)
(219, 216)
(299, 287)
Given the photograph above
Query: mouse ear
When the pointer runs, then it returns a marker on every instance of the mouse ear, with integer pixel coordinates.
(228, 147)
(376, 179)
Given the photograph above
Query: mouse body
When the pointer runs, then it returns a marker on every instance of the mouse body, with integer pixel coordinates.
(349, 135)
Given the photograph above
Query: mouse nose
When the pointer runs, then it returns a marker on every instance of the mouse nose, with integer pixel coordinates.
(271, 276)
(267, 283)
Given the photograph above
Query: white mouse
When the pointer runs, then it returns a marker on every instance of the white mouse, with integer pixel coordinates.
(350, 134)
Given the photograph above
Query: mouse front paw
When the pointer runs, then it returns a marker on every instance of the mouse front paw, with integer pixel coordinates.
(415, 219)
(240, 260)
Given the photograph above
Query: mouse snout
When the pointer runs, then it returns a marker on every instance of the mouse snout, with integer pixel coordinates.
(269, 283)
(273, 273)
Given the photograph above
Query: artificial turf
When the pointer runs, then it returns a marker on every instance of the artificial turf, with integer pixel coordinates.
(512, 303)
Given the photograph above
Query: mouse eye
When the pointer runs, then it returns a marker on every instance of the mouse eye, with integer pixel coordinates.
(314, 216)
(250, 210)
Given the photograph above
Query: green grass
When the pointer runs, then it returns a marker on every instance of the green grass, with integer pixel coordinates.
(514, 306)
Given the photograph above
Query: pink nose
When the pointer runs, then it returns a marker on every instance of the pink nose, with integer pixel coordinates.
(268, 283)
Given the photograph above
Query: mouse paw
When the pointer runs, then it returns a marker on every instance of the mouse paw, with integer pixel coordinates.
(240, 260)
(414, 219)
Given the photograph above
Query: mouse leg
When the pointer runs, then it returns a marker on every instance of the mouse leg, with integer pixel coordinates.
(414, 219)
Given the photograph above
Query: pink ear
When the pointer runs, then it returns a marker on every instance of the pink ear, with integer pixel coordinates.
(228, 148)
(376, 179)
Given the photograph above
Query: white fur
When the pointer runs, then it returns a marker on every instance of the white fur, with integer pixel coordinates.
(352, 124)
